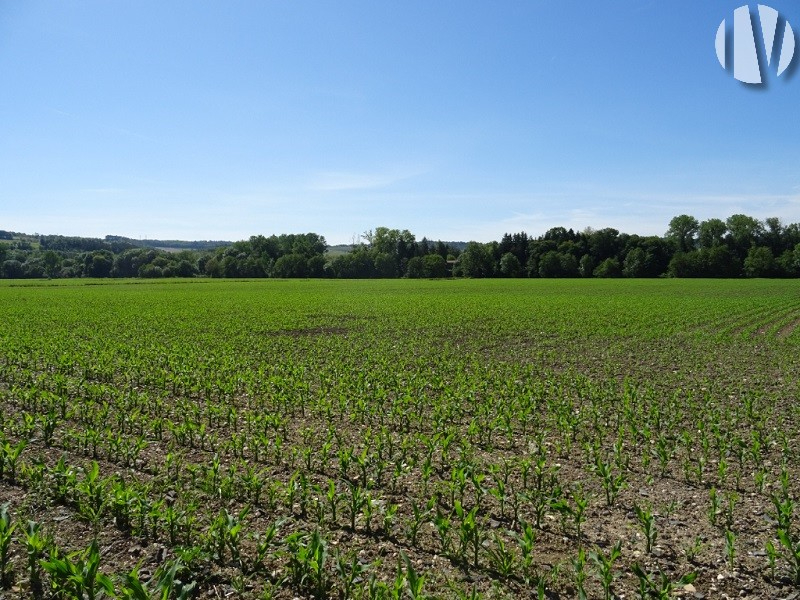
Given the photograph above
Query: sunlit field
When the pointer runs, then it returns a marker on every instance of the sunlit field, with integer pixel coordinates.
(399, 439)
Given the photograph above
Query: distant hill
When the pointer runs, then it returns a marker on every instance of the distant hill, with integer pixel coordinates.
(169, 245)
(119, 242)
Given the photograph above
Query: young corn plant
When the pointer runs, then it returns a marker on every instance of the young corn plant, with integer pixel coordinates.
(332, 500)
(692, 549)
(419, 514)
(92, 494)
(133, 588)
(358, 498)
(612, 483)
(78, 576)
(577, 513)
(415, 582)
(579, 566)
(65, 482)
(35, 545)
(264, 544)
(647, 523)
(772, 555)
(526, 538)
(9, 456)
(170, 581)
(388, 514)
(604, 568)
(791, 546)
(349, 570)
(731, 498)
(225, 534)
(469, 532)
(501, 558)
(784, 511)
(443, 527)
(307, 557)
(730, 547)
(658, 586)
(6, 531)
(714, 510)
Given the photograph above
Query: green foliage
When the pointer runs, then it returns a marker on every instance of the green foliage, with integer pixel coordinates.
(647, 523)
(6, 532)
(658, 585)
(307, 556)
(78, 576)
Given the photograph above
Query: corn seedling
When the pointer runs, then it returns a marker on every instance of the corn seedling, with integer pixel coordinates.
(730, 548)
(501, 558)
(307, 557)
(419, 514)
(9, 456)
(35, 545)
(170, 582)
(714, 510)
(772, 554)
(443, 527)
(91, 494)
(6, 531)
(604, 566)
(356, 501)
(791, 547)
(350, 570)
(577, 512)
(647, 523)
(415, 582)
(612, 483)
(78, 576)
(658, 586)
(469, 533)
(133, 588)
(692, 549)
(579, 566)
(264, 543)
(526, 538)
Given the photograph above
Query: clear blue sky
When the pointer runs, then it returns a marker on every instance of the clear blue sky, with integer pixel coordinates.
(457, 120)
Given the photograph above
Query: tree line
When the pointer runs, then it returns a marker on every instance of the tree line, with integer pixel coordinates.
(740, 246)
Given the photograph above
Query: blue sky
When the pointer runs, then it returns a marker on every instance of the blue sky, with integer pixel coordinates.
(456, 120)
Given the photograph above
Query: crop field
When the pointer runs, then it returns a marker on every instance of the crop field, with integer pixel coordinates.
(400, 439)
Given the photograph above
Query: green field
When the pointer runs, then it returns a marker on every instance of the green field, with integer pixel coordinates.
(396, 438)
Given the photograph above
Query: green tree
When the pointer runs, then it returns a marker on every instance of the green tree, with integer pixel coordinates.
(557, 264)
(476, 261)
(711, 233)
(290, 265)
(586, 265)
(52, 263)
(760, 262)
(385, 240)
(434, 266)
(510, 265)
(743, 232)
(13, 269)
(719, 261)
(415, 269)
(99, 264)
(385, 265)
(685, 264)
(682, 229)
(604, 243)
(608, 268)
